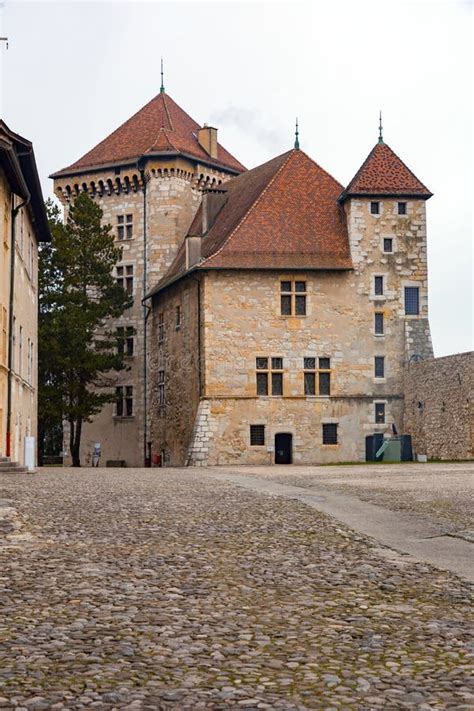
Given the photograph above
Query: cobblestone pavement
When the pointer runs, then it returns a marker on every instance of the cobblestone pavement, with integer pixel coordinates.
(145, 589)
(440, 492)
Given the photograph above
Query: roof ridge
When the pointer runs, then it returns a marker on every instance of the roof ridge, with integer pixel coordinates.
(405, 166)
(252, 206)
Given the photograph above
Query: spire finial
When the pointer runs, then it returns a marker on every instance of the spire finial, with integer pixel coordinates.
(297, 133)
(162, 87)
(380, 128)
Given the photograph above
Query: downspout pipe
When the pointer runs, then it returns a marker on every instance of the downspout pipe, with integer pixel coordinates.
(14, 213)
(146, 310)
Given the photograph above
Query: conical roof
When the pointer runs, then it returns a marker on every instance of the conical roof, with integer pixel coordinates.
(384, 173)
(283, 214)
(160, 127)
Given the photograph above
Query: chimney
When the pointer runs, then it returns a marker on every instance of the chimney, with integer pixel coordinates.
(207, 138)
(193, 250)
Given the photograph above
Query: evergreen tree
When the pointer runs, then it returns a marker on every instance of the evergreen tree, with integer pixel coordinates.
(78, 352)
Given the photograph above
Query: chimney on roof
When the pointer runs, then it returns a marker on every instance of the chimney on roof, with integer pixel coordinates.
(213, 200)
(193, 250)
(207, 138)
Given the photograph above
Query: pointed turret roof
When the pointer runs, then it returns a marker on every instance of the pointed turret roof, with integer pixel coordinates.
(160, 127)
(383, 173)
(283, 214)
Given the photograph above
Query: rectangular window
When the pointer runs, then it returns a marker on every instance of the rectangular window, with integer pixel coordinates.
(379, 412)
(412, 300)
(378, 323)
(124, 226)
(266, 375)
(293, 298)
(402, 208)
(178, 317)
(378, 285)
(257, 435)
(379, 366)
(161, 328)
(124, 401)
(374, 208)
(125, 341)
(125, 277)
(388, 244)
(161, 387)
(309, 365)
(324, 383)
(329, 433)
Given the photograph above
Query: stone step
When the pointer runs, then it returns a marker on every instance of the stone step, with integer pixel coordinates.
(4, 459)
(8, 467)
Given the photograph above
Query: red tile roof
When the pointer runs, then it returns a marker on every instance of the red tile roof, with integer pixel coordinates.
(283, 214)
(159, 127)
(383, 173)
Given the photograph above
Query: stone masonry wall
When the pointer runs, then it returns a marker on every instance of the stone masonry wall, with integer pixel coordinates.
(439, 409)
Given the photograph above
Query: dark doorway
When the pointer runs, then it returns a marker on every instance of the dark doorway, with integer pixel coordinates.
(283, 448)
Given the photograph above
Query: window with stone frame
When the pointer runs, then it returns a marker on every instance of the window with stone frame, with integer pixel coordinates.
(125, 340)
(380, 413)
(379, 366)
(324, 376)
(161, 387)
(161, 327)
(330, 433)
(388, 245)
(374, 208)
(379, 326)
(124, 401)
(257, 435)
(269, 376)
(378, 285)
(412, 301)
(402, 208)
(293, 298)
(124, 277)
(309, 366)
(124, 227)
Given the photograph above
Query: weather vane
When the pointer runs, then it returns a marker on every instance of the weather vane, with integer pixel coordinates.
(380, 128)
(162, 87)
(297, 143)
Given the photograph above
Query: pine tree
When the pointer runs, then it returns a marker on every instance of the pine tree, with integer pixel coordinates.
(78, 351)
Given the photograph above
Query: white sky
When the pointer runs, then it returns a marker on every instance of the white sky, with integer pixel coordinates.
(75, 70)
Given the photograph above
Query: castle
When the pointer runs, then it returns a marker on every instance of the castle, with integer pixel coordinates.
(274, 310)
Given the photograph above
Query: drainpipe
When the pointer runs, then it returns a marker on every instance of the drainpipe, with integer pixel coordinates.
(14, 214)
(146, 313)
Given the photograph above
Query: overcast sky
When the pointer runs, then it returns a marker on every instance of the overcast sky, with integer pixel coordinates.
(75, 71)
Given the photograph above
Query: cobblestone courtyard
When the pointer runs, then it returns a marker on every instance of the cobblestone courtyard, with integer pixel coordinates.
(166, 589)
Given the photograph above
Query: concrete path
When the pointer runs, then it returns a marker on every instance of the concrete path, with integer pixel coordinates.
(406, 533)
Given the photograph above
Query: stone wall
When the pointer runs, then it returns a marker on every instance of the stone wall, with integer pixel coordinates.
(439, 409)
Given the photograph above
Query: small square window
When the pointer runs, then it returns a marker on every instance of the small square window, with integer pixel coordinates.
(378, 323)
(257, 435)
(374, 208)
(285, 286)
(262, 363)
(325, 363)
(378, 285)
(388, 244)
(300, 286)
(402, 208)
(379, 367)
(277, 363)
(380, 412)
(329, 433)
(412, 300)
(309, 363)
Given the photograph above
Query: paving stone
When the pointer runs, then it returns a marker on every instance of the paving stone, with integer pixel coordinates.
(176, 593)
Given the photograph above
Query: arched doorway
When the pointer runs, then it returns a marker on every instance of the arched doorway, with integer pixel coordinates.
(283, 448)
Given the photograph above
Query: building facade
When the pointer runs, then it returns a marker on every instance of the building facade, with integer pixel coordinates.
(23, 224)
(283, 327)
(148, 177)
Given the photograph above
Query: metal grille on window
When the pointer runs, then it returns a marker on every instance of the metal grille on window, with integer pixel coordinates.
(257, 435)
(412, 300)
(329, 433)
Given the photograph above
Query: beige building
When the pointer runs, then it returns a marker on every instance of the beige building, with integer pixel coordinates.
(282, 329)
(23, 224)
(148, 177)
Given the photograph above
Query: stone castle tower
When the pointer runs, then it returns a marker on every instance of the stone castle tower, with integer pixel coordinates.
(148, 177)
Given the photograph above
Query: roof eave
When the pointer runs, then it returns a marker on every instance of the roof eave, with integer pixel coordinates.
(408, 195)
(126, 163)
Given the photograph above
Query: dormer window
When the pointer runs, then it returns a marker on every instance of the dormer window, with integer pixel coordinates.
(374, 208)
(402, 208)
